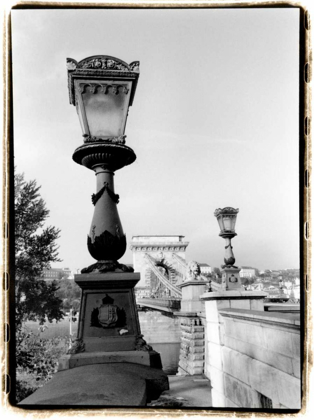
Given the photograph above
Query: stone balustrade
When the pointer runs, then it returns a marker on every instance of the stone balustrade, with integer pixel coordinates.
(261, 358)
(252, 357)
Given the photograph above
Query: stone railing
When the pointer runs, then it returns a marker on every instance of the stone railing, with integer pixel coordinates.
(215, 286)
(250, 356)
(253, 359)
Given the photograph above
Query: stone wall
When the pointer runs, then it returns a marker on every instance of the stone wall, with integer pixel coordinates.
(191, 360)
(253, 358)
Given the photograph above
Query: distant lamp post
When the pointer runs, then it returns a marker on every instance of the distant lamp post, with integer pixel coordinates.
(102, 88)
(227, 218)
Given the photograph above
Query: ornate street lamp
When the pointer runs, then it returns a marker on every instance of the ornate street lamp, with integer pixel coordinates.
(102, 88)
(227, 218)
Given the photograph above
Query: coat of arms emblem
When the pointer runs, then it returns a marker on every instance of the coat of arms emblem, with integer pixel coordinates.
(233, 279)
(108, 315)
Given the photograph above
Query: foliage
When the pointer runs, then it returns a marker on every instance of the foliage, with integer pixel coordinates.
(216, 273)
(36, 360)
(245, 281)
(76, 305)
(70, 293)
(23, 390)
(63, 276)
(35, 249)
(38, 356)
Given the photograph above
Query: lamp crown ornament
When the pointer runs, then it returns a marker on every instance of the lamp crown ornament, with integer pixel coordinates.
(102, 89)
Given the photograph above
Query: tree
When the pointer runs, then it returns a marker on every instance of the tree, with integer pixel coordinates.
(247, 281)
(35, 250)
(217, 272)
(68, 291)
(76, 305)
(63, 275)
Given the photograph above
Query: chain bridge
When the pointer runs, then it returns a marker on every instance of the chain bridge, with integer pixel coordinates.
(161, 262)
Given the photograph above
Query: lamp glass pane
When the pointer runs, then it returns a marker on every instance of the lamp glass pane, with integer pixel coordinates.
(227, 222)
(104, 110)
(233, 222)
(220, 222)
(81, 119)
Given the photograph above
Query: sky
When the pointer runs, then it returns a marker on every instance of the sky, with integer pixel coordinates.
(214, 123)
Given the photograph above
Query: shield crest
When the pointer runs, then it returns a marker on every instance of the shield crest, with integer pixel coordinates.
(108, 315)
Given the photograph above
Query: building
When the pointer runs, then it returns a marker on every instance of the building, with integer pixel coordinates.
(56, 274)
(248, 272)
(205, 268)
(276, 274)
(142, 292)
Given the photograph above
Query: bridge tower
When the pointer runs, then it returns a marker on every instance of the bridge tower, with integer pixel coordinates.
(149, 251)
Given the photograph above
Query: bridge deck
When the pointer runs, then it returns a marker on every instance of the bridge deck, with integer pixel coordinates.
(164, 305)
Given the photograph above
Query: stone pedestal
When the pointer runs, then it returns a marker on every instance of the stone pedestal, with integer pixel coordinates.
(109, 329)
(191, 292)
(110, 363)
(108, 318)
(191, 360)
(214, 302)
(231, 278)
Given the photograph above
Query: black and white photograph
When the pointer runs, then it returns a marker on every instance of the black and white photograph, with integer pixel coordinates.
(157, 173)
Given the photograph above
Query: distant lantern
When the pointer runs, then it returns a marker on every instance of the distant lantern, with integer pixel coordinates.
(227, 218)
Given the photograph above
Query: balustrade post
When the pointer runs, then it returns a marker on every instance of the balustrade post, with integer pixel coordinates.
(192, 351)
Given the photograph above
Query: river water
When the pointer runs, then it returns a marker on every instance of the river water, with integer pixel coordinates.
(162, 332)
(169, 354)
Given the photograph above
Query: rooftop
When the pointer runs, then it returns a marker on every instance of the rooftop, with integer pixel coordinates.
(157, 238)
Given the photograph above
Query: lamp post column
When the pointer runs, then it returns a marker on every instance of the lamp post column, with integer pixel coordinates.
(229, 257)
(105, 201)
(106, 240)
